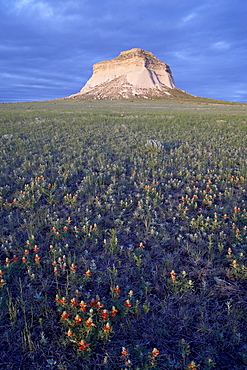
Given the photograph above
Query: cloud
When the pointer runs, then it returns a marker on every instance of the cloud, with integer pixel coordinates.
(221, 45)
(31, 7)
(189, 17)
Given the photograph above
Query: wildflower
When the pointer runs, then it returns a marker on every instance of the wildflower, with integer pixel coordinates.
(104, 315)
(2, 282)
(234, 263)
(192, 365)
(69, 333)
(94, 302)
(15, 259)
(83, 306)
(63, 300)
(65, 228)
(124, 352)
(7, 261)
(73, 267)
(127, 303)
(77, 319)
(1, 273)
(88, 273)
(35, 248)
(26, 252)
(173, 275)
(73, 302)
(36, 258)
(24, 259)
(116, 291)
(114, 311)
(229, 251)
(83, 345)
(65, 315)
(107, 327)
(90, 323)
(141, 245)
(155, 353)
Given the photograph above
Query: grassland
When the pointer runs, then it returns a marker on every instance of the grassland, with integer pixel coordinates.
(123, 235)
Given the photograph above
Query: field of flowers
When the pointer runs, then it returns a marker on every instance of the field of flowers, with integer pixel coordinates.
(123, 238)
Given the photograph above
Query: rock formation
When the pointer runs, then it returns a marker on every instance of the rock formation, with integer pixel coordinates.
(134, 73)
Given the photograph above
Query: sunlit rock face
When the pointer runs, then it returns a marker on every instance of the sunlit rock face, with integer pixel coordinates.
(134, 73)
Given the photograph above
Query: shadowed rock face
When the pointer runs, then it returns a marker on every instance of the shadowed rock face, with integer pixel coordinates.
(134, 73)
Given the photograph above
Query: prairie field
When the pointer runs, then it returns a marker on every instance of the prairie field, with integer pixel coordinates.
(123, 236)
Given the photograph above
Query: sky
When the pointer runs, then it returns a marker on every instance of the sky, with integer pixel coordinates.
(48, 47)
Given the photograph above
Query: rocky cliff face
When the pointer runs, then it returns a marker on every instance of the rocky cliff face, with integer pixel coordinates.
(134, 73)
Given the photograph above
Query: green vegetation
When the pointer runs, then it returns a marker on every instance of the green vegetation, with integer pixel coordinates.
(123, 236)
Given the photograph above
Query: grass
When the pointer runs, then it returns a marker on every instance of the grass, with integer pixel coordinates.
(116, 252)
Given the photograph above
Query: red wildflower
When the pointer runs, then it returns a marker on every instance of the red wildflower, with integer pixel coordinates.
(77, 319)
(107, 327)
(155, 352)
(83, 345)
(83, 306)
(65, 315)
(36, 258)
(73, 302)
(69, 333)
(104, 315)
(73, 267)
(125, 352)
(114, 311)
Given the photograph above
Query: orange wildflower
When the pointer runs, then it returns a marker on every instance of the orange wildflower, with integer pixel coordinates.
(114, 311)
(77, 319)
(127, 303)
(65, 315)
(104, 315)
(117, 290)
(173, 275)
(83, 345)
(69, 333)
(107, 327)
(155, 353)
(73, 267)
(124, 352)
(83, 306)
(36, 258)
(73, 302)
(90, 323)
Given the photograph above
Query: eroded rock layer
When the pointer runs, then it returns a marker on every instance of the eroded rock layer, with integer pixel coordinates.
(134, 73)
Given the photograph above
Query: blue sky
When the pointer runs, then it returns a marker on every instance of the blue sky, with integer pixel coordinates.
(48, 47)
